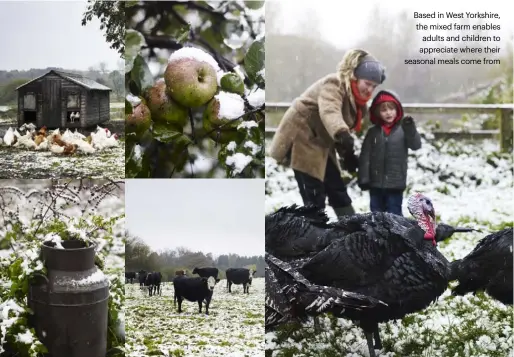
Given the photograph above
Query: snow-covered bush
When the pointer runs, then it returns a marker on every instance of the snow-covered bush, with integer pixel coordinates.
(92, 212)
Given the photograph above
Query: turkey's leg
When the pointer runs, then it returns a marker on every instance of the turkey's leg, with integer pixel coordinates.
(369, 339)
(376, 333)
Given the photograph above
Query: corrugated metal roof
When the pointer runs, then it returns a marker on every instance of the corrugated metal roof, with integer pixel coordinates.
(76, 78)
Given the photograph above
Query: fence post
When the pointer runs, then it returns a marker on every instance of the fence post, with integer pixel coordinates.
(506, 130)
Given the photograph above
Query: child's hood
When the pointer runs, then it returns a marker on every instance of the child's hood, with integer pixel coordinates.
(385, 96)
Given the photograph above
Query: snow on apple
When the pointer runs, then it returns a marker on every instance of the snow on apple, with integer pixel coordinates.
(232, 106)
(196, 54)
(133, 99)
(257, 98)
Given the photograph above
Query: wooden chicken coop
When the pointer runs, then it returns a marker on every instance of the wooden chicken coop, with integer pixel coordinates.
(63, 100)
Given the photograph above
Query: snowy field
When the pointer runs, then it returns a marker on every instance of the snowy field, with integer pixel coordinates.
(470, 185)
(18, 162)
(234, 327)
(23, 163)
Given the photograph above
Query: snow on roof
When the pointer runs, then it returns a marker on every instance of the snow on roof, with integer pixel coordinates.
(76, 78)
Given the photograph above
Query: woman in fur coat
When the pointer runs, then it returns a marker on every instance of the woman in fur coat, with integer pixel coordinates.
(318, 124)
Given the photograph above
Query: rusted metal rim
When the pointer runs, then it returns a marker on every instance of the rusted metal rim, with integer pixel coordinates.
(72, 242)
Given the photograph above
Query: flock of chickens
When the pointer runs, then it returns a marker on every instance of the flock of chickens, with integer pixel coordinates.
(373, 267)
(66, 143)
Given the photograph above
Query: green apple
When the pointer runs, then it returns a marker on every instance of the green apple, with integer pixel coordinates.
(190, 82)
(254, 5)
(212, 110)
(232, 83)
(163, 108)
(139, 121)
(223, 135)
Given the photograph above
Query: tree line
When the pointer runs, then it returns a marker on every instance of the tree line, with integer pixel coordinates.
(139, 256)
(302, 57)
(10, 80)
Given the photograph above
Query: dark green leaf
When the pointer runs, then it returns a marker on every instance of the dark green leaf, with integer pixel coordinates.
(181, 34)
(128, 107)
(141, 74)
(133, 42)
(131, 3)
(254, 61)
(166, 134)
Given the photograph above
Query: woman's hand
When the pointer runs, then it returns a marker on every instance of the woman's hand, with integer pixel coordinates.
(345, 140)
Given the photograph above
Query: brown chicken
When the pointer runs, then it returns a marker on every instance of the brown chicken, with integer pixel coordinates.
(38, 139)
(42, 131)
(68, 148)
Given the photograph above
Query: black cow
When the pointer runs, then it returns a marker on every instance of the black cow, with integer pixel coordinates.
(153, 281)
(207, 272)
(193, 289)
(142, 278)
(239, 276)
(130, 276)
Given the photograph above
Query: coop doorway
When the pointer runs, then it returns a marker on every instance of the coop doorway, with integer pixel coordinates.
(29, 117)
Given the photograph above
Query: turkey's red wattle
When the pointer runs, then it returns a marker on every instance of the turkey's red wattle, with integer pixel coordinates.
(429, 228)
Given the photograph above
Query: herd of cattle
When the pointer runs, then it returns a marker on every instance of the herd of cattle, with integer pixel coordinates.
(195, 289)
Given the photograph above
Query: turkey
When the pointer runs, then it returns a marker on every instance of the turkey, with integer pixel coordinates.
(388, 257)
(289, 296)
(488, 267)
(294, 232)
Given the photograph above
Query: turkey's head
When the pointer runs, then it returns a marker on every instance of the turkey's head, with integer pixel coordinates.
(420, 207)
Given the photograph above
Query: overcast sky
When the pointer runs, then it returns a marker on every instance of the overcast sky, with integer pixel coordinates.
(40, 34)
(208, 215)
(343, 25)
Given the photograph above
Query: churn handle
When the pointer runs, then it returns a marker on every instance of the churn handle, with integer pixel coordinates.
(47, 281)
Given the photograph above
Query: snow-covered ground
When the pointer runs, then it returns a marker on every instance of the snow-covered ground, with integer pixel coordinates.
(234, 327)
(23, 163)
(470, 185)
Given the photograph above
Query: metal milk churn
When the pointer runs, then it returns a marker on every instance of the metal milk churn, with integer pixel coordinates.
(71, 304)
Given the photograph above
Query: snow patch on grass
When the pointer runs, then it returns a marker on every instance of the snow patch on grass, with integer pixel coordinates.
(234, 326)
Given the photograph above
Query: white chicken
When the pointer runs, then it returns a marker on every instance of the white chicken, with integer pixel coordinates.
(42, 146)
(84, 146)
(78, 135)
(9, 137)
(26, 141)
(103, 142)
(56, 149)
(67, 135)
